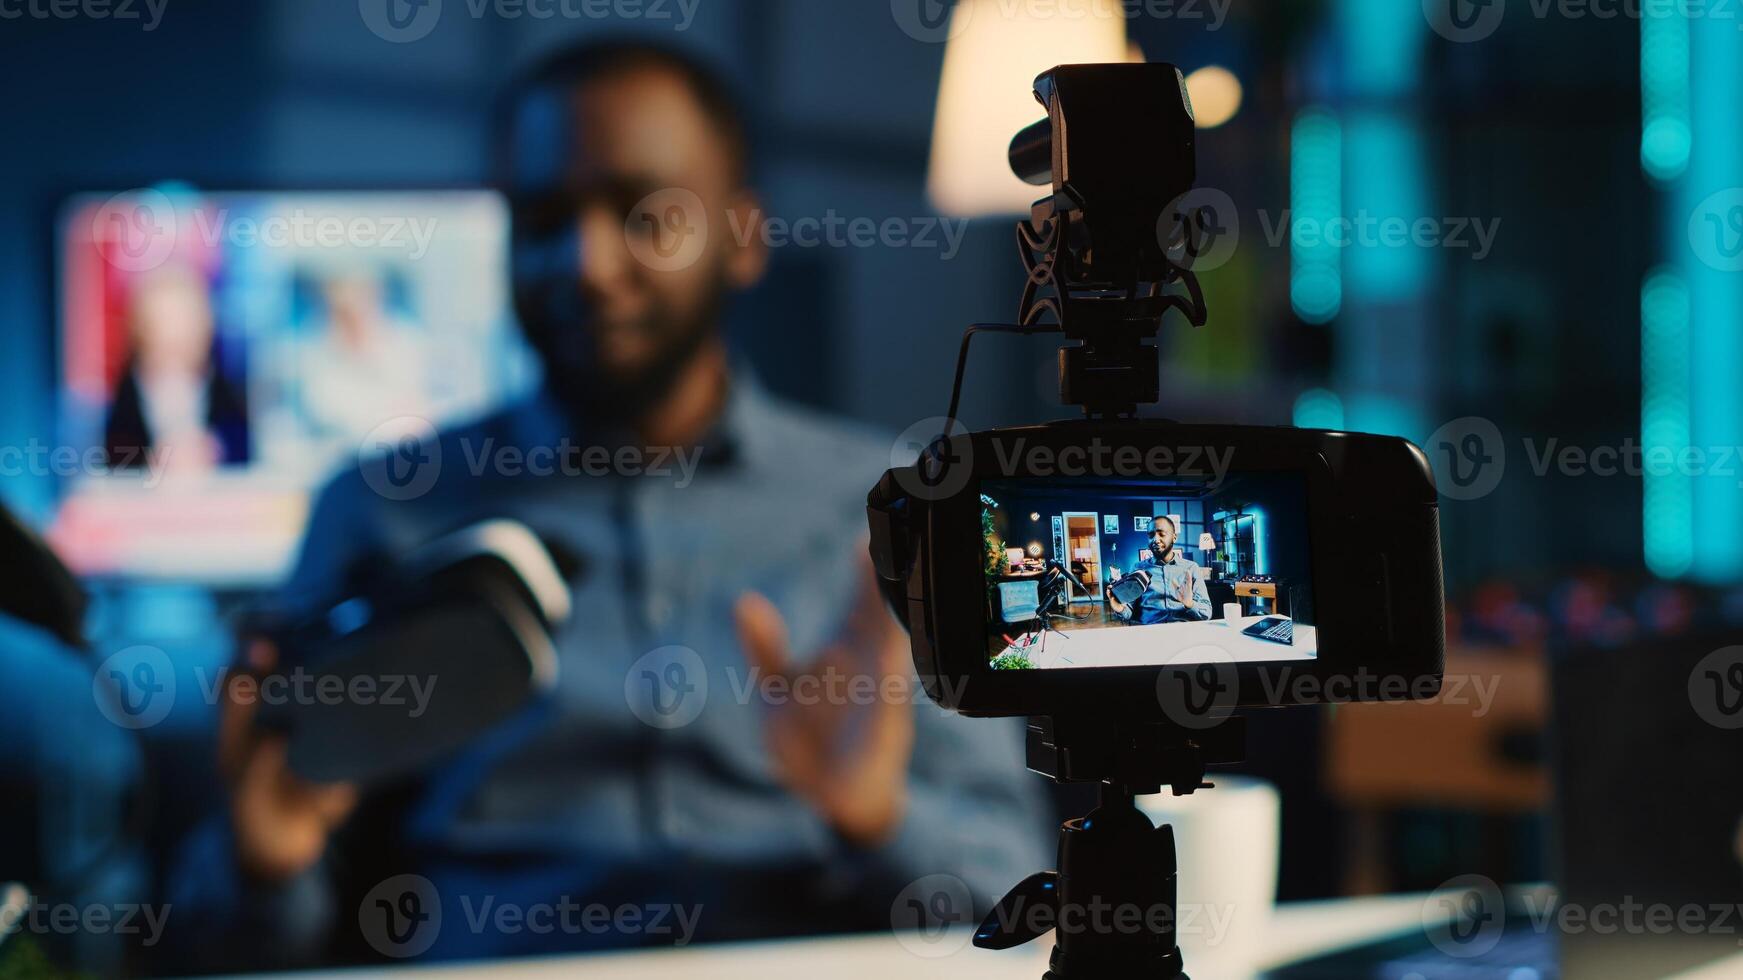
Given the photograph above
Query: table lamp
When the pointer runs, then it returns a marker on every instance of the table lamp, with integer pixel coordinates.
(994, 52)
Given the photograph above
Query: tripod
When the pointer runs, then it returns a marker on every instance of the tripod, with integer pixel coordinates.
(1112, 901)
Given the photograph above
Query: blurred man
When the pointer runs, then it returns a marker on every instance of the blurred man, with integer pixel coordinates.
(770, 810)
(1176, 593)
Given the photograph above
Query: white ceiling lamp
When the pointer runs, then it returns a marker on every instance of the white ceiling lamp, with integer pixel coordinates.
(986, 92)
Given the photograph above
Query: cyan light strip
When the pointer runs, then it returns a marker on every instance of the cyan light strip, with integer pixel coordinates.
(1316, 287)
(1665, 136)
(1668, 517)
(1317, 408)
(1707, 229)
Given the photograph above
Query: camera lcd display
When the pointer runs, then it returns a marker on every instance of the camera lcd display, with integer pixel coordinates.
(1216, 569)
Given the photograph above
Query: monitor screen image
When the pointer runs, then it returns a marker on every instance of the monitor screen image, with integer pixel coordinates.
(224, 354)
(1197, 571)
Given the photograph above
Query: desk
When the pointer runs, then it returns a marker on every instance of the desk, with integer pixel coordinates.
(1161, 643)
(1296, 931)
(1257, 590)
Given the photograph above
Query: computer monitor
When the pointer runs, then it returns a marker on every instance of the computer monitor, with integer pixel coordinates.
(223, 354)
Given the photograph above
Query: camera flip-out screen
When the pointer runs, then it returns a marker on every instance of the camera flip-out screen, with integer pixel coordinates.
(1087, 572)
(1080, 568)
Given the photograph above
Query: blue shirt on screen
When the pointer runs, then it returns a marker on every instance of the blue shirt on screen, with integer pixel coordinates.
(581, 800)
(1161, 603)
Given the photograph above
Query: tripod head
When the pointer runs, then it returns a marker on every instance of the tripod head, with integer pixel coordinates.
(1112, 901)
(1104, 249)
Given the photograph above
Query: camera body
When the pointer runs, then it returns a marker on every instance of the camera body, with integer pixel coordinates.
(1320, 578)
(1357, 515)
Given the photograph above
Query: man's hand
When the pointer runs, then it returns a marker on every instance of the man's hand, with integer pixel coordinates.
(1188, 585)
(281, 821)
(844, 753)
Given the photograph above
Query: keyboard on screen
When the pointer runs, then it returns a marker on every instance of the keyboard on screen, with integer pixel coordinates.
(1277, 629)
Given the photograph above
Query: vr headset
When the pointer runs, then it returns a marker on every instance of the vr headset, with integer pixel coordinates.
(440, 646)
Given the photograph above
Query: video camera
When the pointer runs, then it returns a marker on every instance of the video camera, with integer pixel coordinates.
(1317, 575)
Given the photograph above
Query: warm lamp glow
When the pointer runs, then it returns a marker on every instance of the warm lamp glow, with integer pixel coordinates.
(986, 93)
(1206, 542)
(1216, 95)
(1035, 549)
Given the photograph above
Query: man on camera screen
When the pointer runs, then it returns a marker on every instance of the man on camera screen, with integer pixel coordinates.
(1175, 592)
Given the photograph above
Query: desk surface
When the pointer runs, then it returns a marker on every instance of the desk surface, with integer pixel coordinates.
(1296, 931)
(1163, 643)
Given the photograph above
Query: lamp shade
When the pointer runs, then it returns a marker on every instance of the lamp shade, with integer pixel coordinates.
(1206, 542)
(986, 92)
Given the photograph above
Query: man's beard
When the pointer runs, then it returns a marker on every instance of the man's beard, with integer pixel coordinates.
(595, 395)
